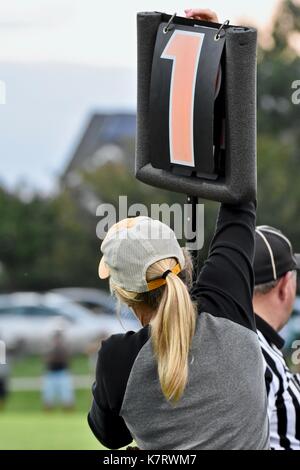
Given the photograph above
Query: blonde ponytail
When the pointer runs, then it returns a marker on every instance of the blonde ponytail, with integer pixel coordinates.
(172, 330)
(172, 324)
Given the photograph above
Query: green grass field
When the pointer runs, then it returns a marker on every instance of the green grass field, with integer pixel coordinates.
(23, 424)
(41, 431)
(30, 402)
(33, 366)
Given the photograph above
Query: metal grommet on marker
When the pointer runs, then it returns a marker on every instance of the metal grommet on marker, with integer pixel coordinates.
(217, 35)
(166, 28)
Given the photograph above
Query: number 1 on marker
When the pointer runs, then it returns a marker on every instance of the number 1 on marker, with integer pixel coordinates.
(184, 50)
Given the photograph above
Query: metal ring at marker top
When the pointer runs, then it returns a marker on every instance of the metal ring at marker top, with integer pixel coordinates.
(166, 28)
(217, 35)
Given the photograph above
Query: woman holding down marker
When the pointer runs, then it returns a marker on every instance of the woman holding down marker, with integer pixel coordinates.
(193, 376)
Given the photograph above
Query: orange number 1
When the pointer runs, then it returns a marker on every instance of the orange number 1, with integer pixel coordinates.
(184, 49)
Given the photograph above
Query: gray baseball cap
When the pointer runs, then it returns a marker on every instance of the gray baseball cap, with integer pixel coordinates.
(134, 244)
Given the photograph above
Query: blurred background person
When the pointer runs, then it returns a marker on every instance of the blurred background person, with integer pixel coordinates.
(275, 268)
(4, 375)
(57, 384)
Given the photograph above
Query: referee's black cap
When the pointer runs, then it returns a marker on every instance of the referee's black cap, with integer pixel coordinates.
(274, 255)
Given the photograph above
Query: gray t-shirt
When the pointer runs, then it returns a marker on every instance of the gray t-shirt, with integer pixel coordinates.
(224, 405)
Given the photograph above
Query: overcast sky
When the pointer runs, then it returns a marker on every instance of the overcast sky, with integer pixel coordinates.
(57, 59)
(97, 32)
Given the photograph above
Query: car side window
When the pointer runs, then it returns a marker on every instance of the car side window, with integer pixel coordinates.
(11, 311)
(39, 311)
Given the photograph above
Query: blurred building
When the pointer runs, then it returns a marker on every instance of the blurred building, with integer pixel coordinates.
(106, 138)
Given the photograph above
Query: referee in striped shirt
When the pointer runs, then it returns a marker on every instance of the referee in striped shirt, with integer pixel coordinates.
(275, 268)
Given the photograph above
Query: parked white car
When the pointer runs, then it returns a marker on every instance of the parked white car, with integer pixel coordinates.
(31, 319)
(97, 300)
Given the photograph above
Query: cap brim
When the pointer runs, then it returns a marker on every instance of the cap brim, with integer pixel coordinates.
(297, 259)
(103, 271)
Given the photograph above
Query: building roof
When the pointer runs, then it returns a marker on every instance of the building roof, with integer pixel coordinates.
(102, 130)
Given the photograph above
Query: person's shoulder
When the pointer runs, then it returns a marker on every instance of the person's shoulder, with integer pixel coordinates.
(115, 361)
(124, 346)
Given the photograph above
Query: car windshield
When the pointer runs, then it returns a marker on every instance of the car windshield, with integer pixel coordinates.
(66, 308)
(10, 311)
(30, 311)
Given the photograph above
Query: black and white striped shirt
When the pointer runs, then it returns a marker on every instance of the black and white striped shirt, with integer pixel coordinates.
(283, 389)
